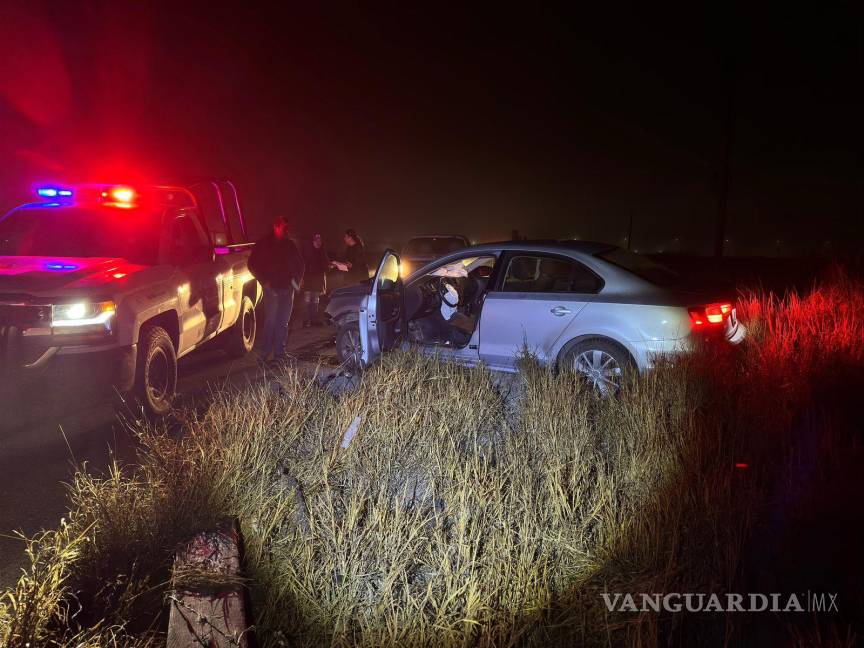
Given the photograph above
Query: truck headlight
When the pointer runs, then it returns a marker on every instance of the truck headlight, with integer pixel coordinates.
(82, 313)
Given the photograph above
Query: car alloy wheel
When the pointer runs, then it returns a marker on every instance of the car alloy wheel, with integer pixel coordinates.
(600, 368)
(350, 349)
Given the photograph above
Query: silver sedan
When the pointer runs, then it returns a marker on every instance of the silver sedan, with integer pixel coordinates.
(592, 307)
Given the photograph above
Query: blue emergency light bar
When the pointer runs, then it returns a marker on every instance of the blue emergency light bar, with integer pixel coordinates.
(53, 192)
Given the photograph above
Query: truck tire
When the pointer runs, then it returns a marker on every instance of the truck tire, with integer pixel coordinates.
(156, 372)
(240, 338)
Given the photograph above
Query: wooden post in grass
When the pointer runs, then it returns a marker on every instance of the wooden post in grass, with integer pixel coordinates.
(207, 601)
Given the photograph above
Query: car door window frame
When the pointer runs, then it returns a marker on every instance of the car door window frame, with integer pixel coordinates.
(504, 263)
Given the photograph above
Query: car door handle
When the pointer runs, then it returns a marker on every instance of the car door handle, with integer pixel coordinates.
(560, 311)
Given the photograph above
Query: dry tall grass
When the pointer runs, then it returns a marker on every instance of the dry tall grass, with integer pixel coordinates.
(469, 509)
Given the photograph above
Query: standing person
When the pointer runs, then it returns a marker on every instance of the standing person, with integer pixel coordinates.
(353, 261)
(276, 263)
(315, 279)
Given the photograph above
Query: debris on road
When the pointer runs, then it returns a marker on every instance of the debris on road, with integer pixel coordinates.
(350, 432)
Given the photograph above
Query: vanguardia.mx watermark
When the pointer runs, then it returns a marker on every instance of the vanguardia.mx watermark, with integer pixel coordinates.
(701, 602)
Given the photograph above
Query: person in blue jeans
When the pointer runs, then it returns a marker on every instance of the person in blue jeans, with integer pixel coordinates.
(277, 264)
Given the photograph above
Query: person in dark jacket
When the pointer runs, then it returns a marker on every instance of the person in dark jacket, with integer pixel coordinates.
(276, 263)
(353, 261)
(315, 279)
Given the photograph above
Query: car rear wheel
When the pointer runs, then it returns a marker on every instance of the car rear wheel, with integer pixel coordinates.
(348, 347)
(156, 380)
(240, 338)
(603, 363)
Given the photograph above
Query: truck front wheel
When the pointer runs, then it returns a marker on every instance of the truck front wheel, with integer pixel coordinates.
(156, 380)
(240, 338)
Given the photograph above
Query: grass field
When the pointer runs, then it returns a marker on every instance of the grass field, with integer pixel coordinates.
(475, 511)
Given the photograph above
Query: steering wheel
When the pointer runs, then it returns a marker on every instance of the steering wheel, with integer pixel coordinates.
(443, 293)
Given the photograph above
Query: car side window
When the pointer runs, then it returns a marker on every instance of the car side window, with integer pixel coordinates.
(548, 274)
(585, 281)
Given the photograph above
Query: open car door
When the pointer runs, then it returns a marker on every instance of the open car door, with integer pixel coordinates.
(382, 310)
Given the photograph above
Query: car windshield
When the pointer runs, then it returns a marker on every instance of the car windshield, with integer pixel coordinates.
(80, 232)
(642, 267)
(463, 267)
(433, 246)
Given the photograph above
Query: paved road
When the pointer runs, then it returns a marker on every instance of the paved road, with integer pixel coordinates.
(48, 426)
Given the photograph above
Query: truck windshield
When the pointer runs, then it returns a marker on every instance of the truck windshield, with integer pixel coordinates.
(81, 232)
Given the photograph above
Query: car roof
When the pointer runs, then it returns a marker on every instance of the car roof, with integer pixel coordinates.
(438, 236)
(544, 245)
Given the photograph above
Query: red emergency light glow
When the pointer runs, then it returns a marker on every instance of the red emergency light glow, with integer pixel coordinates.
(709, 314)
(120, 197)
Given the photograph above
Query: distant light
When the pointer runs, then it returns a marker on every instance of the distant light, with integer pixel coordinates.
(119, 275)
(64, 192)
(61, 266)
(742, 466)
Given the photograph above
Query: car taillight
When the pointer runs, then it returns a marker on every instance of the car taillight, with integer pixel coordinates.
(709, 314)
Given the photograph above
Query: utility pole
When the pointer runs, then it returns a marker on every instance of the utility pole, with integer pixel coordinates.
(630, 229)
(723, 201)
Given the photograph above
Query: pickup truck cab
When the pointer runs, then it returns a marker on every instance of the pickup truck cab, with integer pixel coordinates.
(129, 278)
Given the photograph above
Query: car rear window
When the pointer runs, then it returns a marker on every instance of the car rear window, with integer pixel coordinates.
(642, 267)
(433, 246)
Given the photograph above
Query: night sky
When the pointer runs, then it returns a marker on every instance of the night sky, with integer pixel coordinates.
(403, 121)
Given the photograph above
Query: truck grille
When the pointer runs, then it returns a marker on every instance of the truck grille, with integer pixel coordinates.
(22, 315)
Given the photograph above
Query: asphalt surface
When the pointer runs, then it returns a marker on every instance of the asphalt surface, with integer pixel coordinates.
(50, 425)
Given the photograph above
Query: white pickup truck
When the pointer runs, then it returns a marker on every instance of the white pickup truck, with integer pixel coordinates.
(126, 278)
